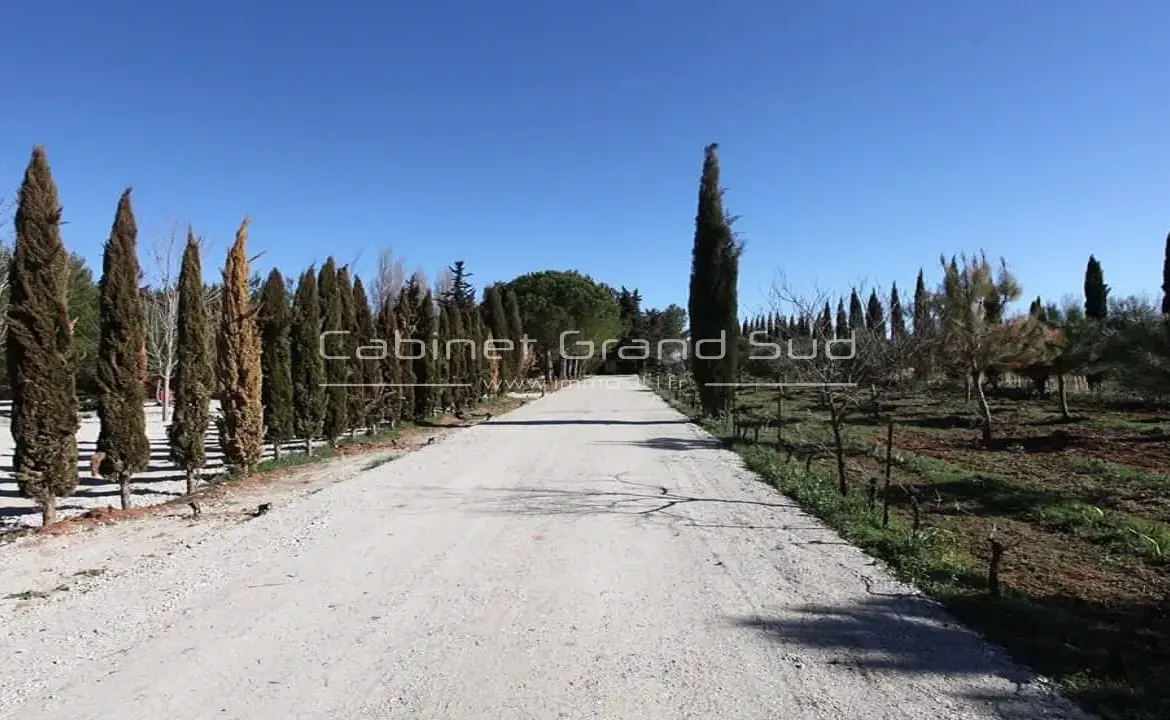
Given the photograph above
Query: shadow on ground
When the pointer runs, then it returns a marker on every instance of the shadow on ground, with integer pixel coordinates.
(903, 635)
(585, 422)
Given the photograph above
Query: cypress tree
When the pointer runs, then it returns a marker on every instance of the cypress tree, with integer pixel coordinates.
(370, 375)
(825, 322)
(276, 361)
(238, 351)
(875, 315)
(922, 317)
(424, 372)
(445, 361)
(390, 366)
(856, 312)
(308, 369)
(497, 322)
(355, 396)
(193, 374)
(713, 300)
(516, 334)
(336, 418)
(121, 394)
(1096, 292)
(1166, 278)
(406, 314)
(38, 346)
(842, 324)
(482, 379)
(897, 316)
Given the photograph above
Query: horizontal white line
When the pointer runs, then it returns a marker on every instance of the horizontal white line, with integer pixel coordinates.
(780, 385)
(377, 385)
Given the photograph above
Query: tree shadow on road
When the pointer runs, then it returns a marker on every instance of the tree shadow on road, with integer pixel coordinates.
(897, 634)
(583, 421)
(678, 444)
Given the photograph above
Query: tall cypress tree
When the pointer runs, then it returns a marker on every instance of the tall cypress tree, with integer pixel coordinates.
(842, 323)
(875, 314)
(355, 396)
(406, 313)
(1096, 291)
(497, 322)
(276, 361)
(369, 375)
(856, 312)
(424, 372)
(922, 318)
(445, 364)
(1166, 278)
(516, 334)
(713, 299)
(336, 417)
(238, 351)
(121, 394)
(390, 407)
(897, 315)
(194, 372)
(308, 369)
(40, 370)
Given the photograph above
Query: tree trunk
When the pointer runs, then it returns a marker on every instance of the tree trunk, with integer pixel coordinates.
(984, 409)
(124, 489)
(1061, 391)
(309, 447)
(48, 510)
(967, 387)
(166, 396)
(276, 450)
(190, 481)
(838, 447)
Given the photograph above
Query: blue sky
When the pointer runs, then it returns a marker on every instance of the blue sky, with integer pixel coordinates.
(859, 140)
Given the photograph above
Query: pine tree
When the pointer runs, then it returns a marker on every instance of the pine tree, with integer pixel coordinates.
(875, 315)
(121, 394)
(370, 375)
(336, 417)
(516, 334)
(276, 361)
(238, 351)
(193, 374)
(897, 315)
(713, 300)
(308, 369)
(856, 312)
(40, 372)
(1096, 292)
(424, 373)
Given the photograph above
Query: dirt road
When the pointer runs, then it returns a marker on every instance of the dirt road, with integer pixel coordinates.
(587, 556)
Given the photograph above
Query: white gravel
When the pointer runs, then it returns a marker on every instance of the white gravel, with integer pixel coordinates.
(587, 556)
(161, 482)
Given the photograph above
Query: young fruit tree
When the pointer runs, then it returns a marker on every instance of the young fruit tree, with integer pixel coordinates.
(974, 334)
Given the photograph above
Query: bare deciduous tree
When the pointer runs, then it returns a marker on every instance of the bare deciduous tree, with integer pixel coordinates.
(846, 367)
(388, 279)
(161, 311)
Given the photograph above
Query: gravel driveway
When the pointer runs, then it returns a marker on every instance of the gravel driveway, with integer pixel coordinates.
(590, 555)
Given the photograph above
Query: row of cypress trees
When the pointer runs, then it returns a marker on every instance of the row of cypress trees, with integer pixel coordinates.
(40, 365)
(332, 366)
(263, 359)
